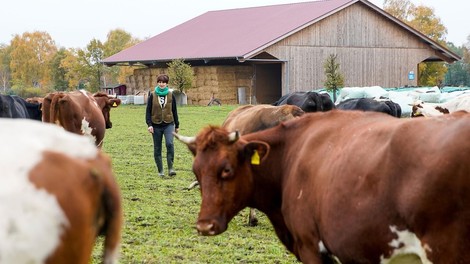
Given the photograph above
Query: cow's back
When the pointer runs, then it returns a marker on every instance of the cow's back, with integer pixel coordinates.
(11, 107)
(370, 104)
(78, 112)
(364, 164)
(251, 118)
(308, 101)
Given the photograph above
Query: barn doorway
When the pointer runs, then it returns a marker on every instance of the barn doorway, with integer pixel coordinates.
(267, 84)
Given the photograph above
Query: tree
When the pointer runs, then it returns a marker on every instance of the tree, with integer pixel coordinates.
(31, 54)
(90, 66)
(181, 74)
(4, 67)
(58, 72)
(117, 40)
(334, 78)
(400, 9)
(75, 72)
(423, 19)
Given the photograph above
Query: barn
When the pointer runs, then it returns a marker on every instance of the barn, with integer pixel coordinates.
(255, 55)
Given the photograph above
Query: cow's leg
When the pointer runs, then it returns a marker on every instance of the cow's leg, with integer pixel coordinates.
(310, 253)
(252, 220)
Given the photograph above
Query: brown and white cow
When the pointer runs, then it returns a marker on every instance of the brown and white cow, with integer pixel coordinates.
(420, 108)
(361, 187)
(57, 194)
(80, 112)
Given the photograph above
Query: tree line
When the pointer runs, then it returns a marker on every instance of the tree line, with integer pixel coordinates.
(32, 64)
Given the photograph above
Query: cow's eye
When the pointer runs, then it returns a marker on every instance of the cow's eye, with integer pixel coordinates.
(227, 172)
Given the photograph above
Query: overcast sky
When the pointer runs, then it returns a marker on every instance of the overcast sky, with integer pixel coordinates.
(73, 24)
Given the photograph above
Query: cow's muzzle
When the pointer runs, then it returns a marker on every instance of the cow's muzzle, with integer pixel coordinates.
(210, 227)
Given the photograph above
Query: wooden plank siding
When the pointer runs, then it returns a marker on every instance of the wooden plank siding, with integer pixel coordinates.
(371, 49)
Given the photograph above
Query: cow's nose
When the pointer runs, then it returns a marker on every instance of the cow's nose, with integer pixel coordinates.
(207, 227)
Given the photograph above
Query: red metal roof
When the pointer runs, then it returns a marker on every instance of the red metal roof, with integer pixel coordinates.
(233, 33)
(242, 33)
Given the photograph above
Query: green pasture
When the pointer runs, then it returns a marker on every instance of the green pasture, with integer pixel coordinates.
(160, 214)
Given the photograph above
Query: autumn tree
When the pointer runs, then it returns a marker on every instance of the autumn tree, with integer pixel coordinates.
(75, 73)
(117, 40)
(334, 78)
(4, 67)
(400, 9)
(423, 19)
(31, 54)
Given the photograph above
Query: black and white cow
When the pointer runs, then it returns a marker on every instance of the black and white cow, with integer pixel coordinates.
(369, 104)
(308, 101)
(12, 106)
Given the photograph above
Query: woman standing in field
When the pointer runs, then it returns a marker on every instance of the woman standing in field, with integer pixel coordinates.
(162, 119)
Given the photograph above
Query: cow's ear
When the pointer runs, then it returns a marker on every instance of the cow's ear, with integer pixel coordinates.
(114, 102)
(256, 151)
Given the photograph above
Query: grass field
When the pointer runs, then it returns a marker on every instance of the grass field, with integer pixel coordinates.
(160, 214)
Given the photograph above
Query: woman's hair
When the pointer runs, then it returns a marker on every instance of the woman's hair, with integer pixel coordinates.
(163, 78)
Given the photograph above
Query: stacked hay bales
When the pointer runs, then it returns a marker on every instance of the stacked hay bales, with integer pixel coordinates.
(221, 82)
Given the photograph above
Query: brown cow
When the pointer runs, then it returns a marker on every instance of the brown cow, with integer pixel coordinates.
(361, 187)
(80, 112)
(251, 118)
(57, 194)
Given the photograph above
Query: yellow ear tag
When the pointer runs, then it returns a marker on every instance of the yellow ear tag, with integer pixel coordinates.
(114, 104)
(255, 158)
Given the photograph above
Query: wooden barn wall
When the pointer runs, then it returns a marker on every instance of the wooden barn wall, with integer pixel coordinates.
(221, 81)
(371, 51)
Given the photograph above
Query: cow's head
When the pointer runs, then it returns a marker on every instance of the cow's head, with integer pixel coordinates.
(290, 111)
(416, 108)
(223, 167)
(315, 102)
(105, 103)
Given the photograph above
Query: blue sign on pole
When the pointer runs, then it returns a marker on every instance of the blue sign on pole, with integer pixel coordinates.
(411, 75)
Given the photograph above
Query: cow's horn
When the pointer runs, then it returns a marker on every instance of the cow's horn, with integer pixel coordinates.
(234, 136)
(184, 139)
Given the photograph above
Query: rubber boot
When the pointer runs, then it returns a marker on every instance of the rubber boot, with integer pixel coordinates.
(160, 167)
(171, 171)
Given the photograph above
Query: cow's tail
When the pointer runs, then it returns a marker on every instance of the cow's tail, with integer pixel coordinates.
(54, 108)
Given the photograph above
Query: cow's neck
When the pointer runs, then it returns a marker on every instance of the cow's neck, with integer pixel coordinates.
(267, 178)
(267, 196)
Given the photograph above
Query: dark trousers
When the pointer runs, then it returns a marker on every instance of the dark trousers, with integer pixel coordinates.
(158, 132)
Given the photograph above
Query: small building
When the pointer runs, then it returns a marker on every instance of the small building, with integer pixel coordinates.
(115, 89)
(257, 54)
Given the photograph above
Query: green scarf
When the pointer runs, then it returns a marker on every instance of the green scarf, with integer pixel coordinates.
(161, 92)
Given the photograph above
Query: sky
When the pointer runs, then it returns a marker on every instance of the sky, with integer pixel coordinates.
(73, 24)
